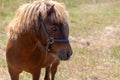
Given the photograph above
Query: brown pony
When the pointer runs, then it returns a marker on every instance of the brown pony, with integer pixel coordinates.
(38, 38)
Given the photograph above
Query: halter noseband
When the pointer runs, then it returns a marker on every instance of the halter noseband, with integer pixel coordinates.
(50, 39)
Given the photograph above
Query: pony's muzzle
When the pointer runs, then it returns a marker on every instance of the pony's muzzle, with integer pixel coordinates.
(64, 54)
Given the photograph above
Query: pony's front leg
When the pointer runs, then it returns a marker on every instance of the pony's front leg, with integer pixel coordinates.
(14, 74)
(54, 69)
(36, 74)
(47, 73)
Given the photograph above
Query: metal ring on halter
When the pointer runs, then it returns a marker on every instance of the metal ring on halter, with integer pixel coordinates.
(50, 40)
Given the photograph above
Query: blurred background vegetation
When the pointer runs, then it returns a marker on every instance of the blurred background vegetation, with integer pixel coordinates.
(94, 35)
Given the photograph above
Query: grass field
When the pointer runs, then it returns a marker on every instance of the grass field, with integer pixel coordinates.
(94, 35)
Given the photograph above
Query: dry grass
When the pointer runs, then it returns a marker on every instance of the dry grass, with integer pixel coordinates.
(95, 39)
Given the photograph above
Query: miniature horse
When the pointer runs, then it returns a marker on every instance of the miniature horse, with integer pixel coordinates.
(38, 38)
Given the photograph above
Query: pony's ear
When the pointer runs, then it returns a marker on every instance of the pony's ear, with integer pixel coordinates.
(50, 10)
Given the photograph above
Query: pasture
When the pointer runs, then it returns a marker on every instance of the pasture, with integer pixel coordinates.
(94, 37)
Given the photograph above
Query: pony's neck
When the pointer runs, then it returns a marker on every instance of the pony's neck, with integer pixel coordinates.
(28, 40)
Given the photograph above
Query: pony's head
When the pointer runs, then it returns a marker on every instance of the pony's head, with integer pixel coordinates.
(49, 21)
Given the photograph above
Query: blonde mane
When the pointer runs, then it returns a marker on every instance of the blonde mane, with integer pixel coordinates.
(26, 16)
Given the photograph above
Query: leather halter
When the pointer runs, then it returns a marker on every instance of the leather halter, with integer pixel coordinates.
(50, 40)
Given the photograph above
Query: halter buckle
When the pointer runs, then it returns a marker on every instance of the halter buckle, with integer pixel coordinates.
(50, 40)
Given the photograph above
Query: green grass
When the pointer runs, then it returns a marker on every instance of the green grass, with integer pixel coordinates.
(3, 38)
(85, 18)
(116, 52)
(88, 16)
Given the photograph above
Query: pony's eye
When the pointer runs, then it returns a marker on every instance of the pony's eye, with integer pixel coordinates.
(54, 29)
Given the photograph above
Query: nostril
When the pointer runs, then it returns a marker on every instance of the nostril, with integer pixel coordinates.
(69, 53)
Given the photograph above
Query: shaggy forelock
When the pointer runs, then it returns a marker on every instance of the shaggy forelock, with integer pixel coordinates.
(26, 16)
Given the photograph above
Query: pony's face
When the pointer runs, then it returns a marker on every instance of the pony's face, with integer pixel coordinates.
(60, 31)
(57, 30)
